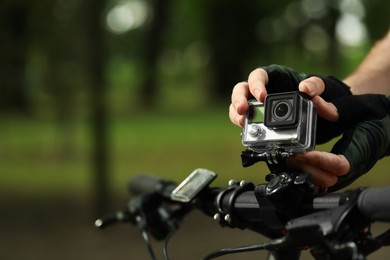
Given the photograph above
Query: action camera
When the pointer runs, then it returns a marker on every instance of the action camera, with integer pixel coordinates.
(285, 121)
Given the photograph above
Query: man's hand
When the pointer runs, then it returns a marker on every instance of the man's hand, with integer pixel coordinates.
(324, 168)
(364, 141)
(256, 87)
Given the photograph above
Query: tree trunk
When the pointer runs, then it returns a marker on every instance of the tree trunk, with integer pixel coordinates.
(95, 62)
(232, 38)
(152, 48)
(13, 49)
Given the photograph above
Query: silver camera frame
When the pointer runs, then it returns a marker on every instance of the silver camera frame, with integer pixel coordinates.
(296, 137)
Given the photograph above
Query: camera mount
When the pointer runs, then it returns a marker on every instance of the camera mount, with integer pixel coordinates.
(272, 157)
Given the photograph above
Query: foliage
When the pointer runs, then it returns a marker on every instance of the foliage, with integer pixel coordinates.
(35, 159)
(182, 59)
(205, 47)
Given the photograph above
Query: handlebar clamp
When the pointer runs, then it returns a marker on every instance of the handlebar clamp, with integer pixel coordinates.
(226, 215)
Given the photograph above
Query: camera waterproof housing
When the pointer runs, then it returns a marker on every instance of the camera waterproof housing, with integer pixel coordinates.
(284, 122)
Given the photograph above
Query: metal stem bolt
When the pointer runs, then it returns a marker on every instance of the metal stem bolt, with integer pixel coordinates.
(228, 218)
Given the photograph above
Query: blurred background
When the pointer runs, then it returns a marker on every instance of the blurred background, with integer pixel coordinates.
(93, 92)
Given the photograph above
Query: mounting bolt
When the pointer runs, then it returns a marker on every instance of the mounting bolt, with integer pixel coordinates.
(232, 182)
(243, 183)
(228, 218)
(217, 217)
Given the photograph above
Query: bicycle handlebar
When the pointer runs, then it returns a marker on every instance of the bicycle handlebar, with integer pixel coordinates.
(142, 184)
(308, 218)
(374, 203)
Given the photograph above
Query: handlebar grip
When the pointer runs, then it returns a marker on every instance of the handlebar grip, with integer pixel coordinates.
(142, 184)
(374, 203)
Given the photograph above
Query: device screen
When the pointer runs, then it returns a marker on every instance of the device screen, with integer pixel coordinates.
(256, 114)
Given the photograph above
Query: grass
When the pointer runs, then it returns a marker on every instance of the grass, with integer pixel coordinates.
(41, 157)
(45, 156)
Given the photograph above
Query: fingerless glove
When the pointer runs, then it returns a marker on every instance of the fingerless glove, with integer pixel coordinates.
(363, 145)
(358, 108)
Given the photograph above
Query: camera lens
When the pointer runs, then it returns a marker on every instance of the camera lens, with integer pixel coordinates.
(282, 110)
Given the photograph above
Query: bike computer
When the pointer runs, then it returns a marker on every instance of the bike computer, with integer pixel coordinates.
(192, 185)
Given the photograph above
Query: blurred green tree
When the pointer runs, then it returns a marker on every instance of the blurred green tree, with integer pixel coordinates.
(151, 50)
(13, 52)
(377, 18)
(232, 37)
(95, 63)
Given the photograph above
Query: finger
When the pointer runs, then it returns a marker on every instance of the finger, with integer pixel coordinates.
(257, 80)
(325, 109)
(236, 118)
(318, 176)
(239, 97)
(313, 86)
(336, 164)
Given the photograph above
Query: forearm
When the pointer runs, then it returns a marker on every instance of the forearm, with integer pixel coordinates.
(373, 74)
